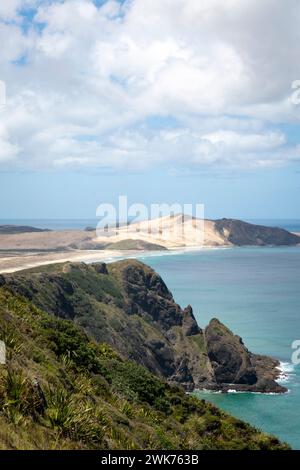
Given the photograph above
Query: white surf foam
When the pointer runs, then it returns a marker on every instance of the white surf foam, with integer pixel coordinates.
(286, 372)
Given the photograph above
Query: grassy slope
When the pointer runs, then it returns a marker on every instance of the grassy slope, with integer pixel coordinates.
(61, 390)
(132, 244)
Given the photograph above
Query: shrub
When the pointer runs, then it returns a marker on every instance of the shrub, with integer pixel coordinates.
(20, 395)
(137, 383)
(74, 418)
(67, 340)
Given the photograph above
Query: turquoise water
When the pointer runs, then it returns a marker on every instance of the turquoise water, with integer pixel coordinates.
(256, 292)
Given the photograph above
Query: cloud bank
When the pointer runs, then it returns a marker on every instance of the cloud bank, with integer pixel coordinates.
(141, 83)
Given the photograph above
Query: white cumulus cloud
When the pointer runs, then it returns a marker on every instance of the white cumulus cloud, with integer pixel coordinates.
(147, 82)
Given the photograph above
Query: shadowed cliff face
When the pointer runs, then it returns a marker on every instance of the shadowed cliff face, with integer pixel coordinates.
(128, 306)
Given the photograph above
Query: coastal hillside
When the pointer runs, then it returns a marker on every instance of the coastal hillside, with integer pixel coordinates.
(61, 389)
(128, 306)
(241, 233)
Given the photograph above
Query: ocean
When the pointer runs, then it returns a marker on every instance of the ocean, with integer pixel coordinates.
(256, 292)
(53, 224)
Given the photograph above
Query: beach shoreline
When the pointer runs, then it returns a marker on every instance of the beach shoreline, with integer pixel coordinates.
(10, 263)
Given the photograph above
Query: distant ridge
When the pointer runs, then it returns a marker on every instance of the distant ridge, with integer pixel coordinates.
(15, 229)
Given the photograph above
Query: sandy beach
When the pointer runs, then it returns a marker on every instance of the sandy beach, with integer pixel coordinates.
(15, 262)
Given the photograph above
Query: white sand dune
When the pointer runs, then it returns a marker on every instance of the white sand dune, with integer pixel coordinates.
(170, 232)
(26, 250)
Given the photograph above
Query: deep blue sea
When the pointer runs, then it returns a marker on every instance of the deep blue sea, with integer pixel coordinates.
(256, 292)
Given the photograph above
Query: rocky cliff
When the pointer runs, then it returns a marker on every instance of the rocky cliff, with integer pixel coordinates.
(61, 390)
(128, 306)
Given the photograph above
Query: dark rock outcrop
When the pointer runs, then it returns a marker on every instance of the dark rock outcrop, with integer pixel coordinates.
(234, 366)
(148, 296)
(229, 358)
(127, 305)
(241, 233)
(189, 324)
(101, 268)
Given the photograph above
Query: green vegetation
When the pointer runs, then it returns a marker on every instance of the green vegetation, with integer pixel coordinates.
(199, 340)
(219, 328)
(62, 390)
(131, 244)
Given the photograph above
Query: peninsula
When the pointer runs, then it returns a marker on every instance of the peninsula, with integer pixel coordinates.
(25, 247)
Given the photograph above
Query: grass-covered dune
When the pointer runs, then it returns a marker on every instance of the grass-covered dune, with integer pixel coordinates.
(62, 390)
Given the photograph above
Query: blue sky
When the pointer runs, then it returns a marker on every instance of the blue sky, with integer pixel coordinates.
(77, 194)
(164, 101)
